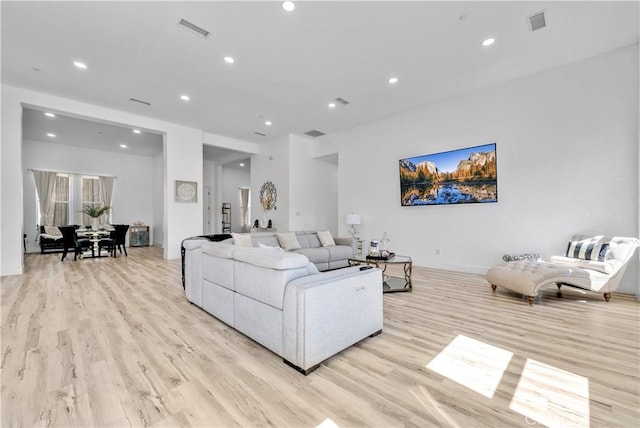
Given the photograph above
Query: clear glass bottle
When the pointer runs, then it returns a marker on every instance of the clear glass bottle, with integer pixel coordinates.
(384, 243)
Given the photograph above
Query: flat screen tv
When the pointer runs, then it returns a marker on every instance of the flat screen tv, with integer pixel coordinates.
(460, 176)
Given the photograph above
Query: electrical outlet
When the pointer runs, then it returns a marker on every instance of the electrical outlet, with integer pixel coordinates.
(437, 251)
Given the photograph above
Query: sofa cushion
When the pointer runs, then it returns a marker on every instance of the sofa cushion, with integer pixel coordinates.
(271, 259)
(218, 249)
(52, 237)
(242, 239)
(593, 248)
(339, 252)
(277, 247)
(315, 255)
(326, 239)
(604, 267)
(314, 242)
(288, 241)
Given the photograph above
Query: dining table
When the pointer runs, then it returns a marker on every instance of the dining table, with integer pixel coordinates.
(94, 236)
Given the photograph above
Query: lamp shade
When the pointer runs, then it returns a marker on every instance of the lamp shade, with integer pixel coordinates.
(353, 218)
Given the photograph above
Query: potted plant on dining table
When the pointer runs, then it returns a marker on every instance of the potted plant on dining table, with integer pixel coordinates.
(95, 212)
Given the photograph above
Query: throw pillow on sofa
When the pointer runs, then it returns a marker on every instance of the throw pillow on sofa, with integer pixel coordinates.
(594, 248)
(326, 239)
(242, 239)
(52, 230)
(288, 241)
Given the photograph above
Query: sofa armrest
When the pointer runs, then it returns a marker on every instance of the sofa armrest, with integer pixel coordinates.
(328, 312)
(349, 242)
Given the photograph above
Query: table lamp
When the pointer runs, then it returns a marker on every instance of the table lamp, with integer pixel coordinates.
(352, 220)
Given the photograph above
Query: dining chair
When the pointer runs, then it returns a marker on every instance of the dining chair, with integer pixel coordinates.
(118, 237)
(107, 243)
(71, 241)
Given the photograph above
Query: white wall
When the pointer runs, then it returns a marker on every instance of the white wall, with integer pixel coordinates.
(313, 189)
(232, 180)
(567, 152)
(182, 161)
(158, 201)
(133, 187)
(208, 181)
(272, 164)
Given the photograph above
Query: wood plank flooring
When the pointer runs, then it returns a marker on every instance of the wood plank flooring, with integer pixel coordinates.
(114, 342)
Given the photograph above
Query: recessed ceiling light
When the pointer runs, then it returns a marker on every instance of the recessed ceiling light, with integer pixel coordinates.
(124, 146)
(184, 97)
(241, 164)
(229, 60)
(332, 105)
(79, 64)
(49, 114)
(288, 6)
(268, 123)
(51, 135)
(488, 42)
(136, 131)
(393, 80)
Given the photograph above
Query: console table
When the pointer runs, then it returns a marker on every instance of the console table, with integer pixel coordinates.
(139, 236)
(391, 284)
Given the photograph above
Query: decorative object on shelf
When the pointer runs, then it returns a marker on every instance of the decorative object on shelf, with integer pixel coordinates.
(256, 224)
(373, 248)
(269, 224)
(382, 255)
(95, 211)
(353, 220)
(384, 248)
(186, 191)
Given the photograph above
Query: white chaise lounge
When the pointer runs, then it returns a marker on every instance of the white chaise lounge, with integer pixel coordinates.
(591, 263)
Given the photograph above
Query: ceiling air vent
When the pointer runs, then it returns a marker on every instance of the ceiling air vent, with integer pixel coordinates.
(260, 134)
(193, 27)
(134, 100)
(342, 101)
(314, 133)
(537, 21)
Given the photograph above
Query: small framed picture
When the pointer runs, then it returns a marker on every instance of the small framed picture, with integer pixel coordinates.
(186, 191)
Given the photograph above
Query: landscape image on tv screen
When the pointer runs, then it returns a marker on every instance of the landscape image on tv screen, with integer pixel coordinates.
(457, 177)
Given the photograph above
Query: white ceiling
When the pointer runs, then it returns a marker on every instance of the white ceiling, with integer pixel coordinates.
(290, 65)
(91, 134)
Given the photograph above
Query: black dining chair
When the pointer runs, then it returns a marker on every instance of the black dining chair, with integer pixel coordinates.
(107, 243)
(71, 241)
(115, 240)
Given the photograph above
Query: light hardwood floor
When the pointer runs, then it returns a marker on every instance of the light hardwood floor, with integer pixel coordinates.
(114, 342)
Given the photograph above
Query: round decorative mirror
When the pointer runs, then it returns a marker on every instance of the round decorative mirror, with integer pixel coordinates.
(268, 196)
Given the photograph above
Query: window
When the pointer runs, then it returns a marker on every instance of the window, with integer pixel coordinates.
(91, 196)
(61, 201)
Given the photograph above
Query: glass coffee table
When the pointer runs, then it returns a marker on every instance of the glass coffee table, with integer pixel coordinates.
(390, 284)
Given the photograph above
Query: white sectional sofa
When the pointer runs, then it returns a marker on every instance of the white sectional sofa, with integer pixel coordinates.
(281, 300)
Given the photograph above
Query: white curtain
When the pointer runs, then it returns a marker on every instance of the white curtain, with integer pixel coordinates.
(244, 208)
(106, 187)
(46, 187)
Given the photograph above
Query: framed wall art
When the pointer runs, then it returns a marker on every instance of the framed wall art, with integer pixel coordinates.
(186, 191)
(460, 176)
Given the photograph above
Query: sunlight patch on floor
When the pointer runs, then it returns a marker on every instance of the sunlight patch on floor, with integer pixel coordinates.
(327, 423)
(551, 396)
(473, 364)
